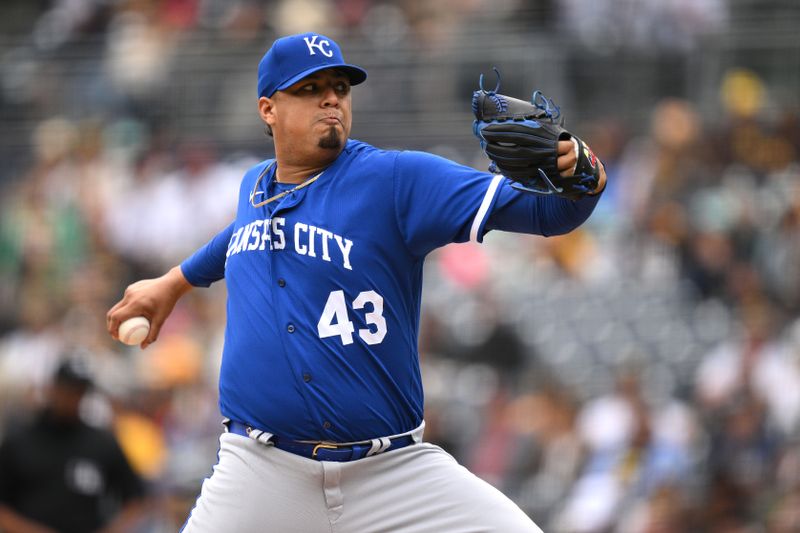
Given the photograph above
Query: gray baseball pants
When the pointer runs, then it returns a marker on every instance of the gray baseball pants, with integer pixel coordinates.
(416, 489)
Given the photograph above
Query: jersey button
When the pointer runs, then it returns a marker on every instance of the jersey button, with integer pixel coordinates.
(290, 328)
(306, 377)
(326, 425)
(281, 282)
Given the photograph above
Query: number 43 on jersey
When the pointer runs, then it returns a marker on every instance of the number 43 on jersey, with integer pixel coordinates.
(335, 321)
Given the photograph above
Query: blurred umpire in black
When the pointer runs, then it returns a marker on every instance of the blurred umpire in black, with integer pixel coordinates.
(59, 474)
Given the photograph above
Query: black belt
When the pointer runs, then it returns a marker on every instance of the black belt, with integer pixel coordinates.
(324, 451)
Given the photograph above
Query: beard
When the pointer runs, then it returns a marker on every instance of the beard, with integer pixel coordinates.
(331, 140)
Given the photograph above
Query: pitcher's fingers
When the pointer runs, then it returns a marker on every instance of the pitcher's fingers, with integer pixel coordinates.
(566, 147)
(113, 322)
(566, 162)
(152, 336)
(116, 316)
(156, 322)
(569, 159)
(110, 312)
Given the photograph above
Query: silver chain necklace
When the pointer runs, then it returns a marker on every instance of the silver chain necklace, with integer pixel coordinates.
(280, 195)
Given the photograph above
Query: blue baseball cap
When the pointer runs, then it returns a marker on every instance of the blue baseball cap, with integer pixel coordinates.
(292, 58)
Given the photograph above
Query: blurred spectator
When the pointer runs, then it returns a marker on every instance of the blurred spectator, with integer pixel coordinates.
(139, 53)
(785, 517)
(758, 364)
(742, 452)
(665, 511)
(644, 25)
(60, 474)
(549, 453)
(629, 459)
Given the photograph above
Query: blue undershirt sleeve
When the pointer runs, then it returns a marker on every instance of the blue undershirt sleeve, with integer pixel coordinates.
(542, 215)
(207, 264)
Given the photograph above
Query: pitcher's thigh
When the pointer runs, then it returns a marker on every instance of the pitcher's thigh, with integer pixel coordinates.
(422, 489)
(255, 488)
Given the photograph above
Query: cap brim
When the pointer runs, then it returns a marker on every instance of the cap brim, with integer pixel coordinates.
(356, 74)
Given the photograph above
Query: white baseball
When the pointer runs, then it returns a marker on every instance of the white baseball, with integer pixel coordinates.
(134, 330)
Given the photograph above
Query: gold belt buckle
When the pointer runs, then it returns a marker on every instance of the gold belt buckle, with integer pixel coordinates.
(322, 445)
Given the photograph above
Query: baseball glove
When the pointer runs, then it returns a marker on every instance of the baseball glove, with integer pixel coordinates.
(521, 138)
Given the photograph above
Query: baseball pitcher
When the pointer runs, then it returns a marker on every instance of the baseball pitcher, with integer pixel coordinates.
(320, 385)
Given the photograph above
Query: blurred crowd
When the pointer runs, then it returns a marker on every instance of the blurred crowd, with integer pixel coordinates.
(641, 374)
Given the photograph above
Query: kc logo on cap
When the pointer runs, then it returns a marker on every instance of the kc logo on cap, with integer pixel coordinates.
(292, 58)
(311, 42)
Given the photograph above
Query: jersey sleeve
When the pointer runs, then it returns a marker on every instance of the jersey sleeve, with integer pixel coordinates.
(521, 212)
(207, 264)
(438, 201)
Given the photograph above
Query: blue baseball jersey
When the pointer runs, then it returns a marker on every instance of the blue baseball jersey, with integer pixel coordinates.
(324, 286)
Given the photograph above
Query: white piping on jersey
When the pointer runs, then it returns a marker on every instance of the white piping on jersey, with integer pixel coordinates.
(484, 208)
